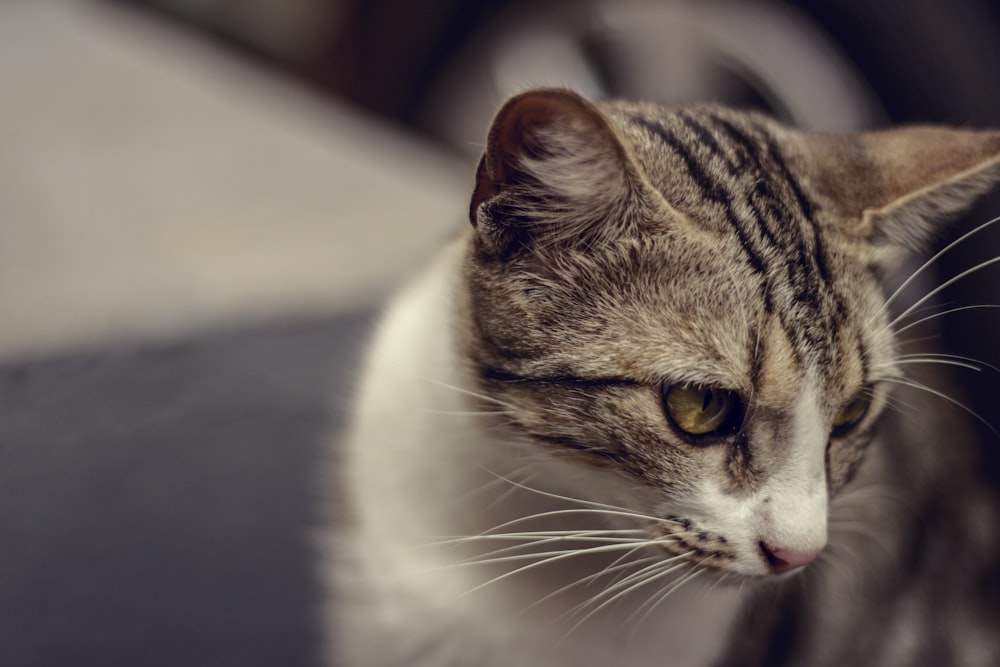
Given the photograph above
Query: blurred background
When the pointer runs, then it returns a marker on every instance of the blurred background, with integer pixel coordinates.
(203, 202)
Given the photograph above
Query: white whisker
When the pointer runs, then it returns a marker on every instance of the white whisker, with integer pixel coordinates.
(469, 392)
(923, 267)
(943, 362)
(907, 382)
(623, 588)
(578, 501)
(942, 287)
(899, 405)
(564, 512)
(718, 581)
(614, 590)
(539, 534)
(910, 342)
(942, 314)
(553, 540)
(544, 556)
(534, 538)
(469, 413)
(956, 357)
(617, 566)
(548, 558)
(670, 590)
(668, 571)
(507, 492)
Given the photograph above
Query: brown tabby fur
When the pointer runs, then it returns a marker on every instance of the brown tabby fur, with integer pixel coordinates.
(618, 247)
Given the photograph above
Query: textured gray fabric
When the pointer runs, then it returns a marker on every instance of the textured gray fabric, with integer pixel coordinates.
(156, 503)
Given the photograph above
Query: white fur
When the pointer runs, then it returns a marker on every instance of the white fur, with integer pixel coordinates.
(796, 514)
(417, 471)
(789, 511)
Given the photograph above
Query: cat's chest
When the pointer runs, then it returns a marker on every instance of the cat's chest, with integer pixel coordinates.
(690, 629)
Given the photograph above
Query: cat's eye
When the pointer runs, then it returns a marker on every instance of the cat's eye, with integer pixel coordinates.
(701, 410)
(852, 413)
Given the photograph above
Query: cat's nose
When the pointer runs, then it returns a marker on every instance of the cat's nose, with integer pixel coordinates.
(785, 560)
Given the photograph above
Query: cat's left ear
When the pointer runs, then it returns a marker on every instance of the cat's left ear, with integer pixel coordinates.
(554, 172)
(894, 189)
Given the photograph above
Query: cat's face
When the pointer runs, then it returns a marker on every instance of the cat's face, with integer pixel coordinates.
(660, 358)
(679, 299)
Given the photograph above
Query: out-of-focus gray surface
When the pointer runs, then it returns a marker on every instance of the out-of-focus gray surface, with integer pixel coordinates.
(152, 185)
(181, 236)
(157, 503)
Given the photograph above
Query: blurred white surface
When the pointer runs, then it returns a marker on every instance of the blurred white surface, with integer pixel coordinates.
(151, 186)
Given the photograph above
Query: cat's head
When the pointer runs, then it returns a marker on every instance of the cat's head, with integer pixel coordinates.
(691, 299)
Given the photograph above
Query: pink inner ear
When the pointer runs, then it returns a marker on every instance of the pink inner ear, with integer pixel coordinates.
(514, 136)
(515, 131)
(554, 172)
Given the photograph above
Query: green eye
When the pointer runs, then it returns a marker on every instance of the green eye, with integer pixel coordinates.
(852, 413)
(701, 411)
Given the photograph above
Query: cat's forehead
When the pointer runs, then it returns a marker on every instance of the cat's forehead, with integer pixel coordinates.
(737, 177)
(705, 155)
(665, 307)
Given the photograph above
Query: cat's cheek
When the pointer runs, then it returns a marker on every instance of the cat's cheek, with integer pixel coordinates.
(716, 531)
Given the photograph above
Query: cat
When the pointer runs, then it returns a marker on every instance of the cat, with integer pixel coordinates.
(650, 408)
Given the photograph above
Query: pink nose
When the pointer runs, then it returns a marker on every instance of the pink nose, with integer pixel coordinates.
(786, 560)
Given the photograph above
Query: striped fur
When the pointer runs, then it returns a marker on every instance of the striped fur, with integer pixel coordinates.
(617, 250)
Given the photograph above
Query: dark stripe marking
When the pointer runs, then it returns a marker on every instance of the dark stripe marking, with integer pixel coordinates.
(498, 375)
(567, 443)
(710, 189)
(807, 289)
(805, 206)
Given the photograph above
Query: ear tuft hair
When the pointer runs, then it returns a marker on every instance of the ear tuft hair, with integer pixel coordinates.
(554, 172)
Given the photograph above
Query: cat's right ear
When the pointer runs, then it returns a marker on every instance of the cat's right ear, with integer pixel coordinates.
(894, 189)
(554, 172)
